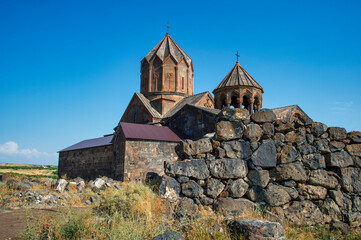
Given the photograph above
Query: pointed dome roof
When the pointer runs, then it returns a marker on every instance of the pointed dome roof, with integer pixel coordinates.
(238, 77)
(167, 46)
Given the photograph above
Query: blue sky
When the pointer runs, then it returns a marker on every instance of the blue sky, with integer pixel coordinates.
(68, 69)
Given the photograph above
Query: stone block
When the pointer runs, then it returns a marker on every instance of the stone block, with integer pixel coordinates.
(266, 155)
(229, 130)
(228, 168)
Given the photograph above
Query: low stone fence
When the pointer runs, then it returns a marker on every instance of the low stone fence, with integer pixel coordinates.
(303, 171)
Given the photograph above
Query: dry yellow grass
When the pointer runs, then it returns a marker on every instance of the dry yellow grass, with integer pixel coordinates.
(47, 172)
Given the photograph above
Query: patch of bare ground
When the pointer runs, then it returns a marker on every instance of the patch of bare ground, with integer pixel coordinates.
(13, 222)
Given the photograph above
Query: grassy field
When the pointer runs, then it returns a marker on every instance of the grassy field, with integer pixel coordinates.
(29, 170)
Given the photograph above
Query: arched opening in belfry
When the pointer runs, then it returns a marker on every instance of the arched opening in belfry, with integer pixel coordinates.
(257, 104)
(222, 101)
(234, 103)
(245, 103)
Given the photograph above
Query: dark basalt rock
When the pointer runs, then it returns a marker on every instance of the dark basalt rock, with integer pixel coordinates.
(266, 155)
(228, 168)
(195, 168)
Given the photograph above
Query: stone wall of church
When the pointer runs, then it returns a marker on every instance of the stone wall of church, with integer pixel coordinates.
(146, 158)
(192, 122)
(88, 163)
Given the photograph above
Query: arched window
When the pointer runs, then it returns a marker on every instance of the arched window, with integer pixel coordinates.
(245, 103)
(234, 103)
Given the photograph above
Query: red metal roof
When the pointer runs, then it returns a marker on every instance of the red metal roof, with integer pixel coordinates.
(148, 132)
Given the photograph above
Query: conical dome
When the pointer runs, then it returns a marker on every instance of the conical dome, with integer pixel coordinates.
(238, 77)
(166, 75)
(168, 47)
(238, 89)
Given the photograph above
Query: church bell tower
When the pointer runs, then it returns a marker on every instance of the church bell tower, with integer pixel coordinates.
(166, 75)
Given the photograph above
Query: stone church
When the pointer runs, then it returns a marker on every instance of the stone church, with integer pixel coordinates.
(164, 112)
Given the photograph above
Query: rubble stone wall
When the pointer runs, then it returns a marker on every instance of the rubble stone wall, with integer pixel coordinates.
(88, 163)
(303, 171)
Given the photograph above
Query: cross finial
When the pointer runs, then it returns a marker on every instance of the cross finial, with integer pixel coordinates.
(167, 28)
(237, 55)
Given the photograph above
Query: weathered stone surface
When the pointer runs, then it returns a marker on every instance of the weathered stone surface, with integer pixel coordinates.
(265, 156)
(314, 161)
(312, 192)
(290, 171)
(354, 149)
(23, 186)
(276, 196)
(229, 130)
(169, 236)
(336, 146)
(343, 202)
(195, 168)
(284, 126)
(187, 208)
(330, 208)
(341, 226)
(287, 154)
(354, 136)
(60, 185)
(232, 114)
(318, 129)
(354, 219)
(229, 151)
(322, 146)
(220, 152)
(169, 189)
(253, 132)
(256, 193)
(268, 130)
(279, 139)
(307, 149)
(356, 203)
(185, 148)
(214, 187)
(298, 137)
(339, 159)
(263, 116)
(243, 147)
(291, 191)
(238, 188)
(351, 179)
(228, 168)
(336, 133)
(321, 178)
(229, 206)
(98, 184)
(310, 138)
(304, 212)
(203, 145)
(258, 229)
(259, 177)
(192, 189)
(189, 148)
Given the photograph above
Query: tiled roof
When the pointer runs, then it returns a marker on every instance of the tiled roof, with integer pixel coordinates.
(149, 107)
(148, 132)
(285, 112)
(238, 77)
(168, 47)
(210, 110)
(188, 100)
(95, 142)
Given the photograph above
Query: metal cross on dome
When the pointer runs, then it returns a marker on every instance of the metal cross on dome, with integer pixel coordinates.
(237, 55)
(167, 28)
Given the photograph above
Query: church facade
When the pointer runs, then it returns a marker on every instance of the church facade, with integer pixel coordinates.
(164, 112)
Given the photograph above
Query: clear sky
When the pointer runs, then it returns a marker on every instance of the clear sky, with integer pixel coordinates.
(68, 69)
